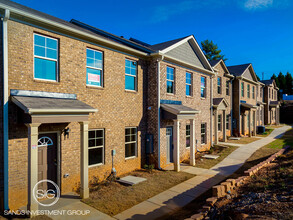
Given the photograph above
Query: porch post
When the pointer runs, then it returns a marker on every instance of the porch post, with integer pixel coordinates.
(249, 122)
(33, 133)
(224, 124)
(216, 127)
(192, 142)
(84, 188)
(254, 124)
(176, 141)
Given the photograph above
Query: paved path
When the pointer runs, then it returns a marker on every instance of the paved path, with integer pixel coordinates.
(183, 193)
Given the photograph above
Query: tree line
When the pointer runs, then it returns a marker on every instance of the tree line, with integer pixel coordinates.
(284, 82)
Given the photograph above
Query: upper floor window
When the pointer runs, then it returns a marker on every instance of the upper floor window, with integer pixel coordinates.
(269, 93)
(130, 74)
(203, 87)
(130, 142)
(219, 85)
(242, 89)
(248, 91)
(94, 67)
(253, 92)
(187, 135)
(227, 88)
(188, 84)
(170, 79)
(96, 147)
(45, 58)
(260, 92)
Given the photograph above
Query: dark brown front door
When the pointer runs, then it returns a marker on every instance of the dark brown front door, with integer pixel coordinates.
(47, 159)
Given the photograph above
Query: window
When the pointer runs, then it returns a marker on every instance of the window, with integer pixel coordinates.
(248, 119)
(227, 88)
(130, 75)
(219, 122)
(45, 58)
(269, 93)
(227, 121)
(130, 142)
(203, 133)
(170, 79)
(253, 92)
(219, 85)
(242, 89)
(188, 84)
(96, 147)
(94, 67)
(203, 87)
(187, 135)
(248, 91)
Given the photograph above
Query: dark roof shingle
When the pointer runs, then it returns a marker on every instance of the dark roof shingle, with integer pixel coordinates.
(238, 70)
(166, 44)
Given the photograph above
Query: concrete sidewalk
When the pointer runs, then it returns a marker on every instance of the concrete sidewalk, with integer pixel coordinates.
(183, 193)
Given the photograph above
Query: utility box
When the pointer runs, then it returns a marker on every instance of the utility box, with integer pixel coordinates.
(261, 129)
(149, 144)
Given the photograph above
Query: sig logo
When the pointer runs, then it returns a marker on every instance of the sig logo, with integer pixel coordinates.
(46, 197)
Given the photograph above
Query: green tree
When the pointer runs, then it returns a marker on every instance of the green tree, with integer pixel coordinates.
(211, 50)
(282, 82)
(288, 83)
(276, 80)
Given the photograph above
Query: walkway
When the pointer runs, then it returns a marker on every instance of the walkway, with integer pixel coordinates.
(182, 194)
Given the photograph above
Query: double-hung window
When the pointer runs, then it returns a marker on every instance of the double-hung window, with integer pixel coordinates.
(253, 92)
(202, 87)
(219, 122)
(96, 147)
(203, 133)
(219, 83)
(248, 91)
(227, 88)
(242, 89)
(170, 79)
(94, 67)
(130, 142)
(130, 75)
(45, 58)
(227, 122)
(187, 135)
(188, 84)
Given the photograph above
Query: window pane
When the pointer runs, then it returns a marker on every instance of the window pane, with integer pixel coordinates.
(39, 40)
(90, 53)
(99, 142)
(93, 77)
(45, 69)
(40, 51)
(202, 92)
(98, 64)
(127, 138)
(92, 143)
(92, 134)
(95, 156)
(188, 90)
(99, 133)
(130, 150)
(133, 130)
(90, 62)
(169, 87)
(133, 137)
(51, 43)
(188, 142)
(127, 131)
(133, 72)
(129, 82)
(51, 54)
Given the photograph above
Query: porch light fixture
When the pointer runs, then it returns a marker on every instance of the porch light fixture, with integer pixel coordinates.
(66, 132)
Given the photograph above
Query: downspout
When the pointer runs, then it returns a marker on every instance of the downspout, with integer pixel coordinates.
(5, 105)
(212, 111)
(159, 109)
(231, 108)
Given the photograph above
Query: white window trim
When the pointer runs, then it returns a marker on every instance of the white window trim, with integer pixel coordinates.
(253, 92)
(205, 133)
(219, 87)
(219, 123)
(187, 135)
(227, 87)
(204, 87)
(135, 77)
(242, 89)
(189, 84)
(45, 58)
(131, 143)
(170, 80)
(103, 147)
(95, 68)
(248, 91)
(227, 122)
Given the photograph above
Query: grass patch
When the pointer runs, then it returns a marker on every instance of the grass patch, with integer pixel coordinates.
(243, 140)
(266, 133)
(221, 151)
(115, 198)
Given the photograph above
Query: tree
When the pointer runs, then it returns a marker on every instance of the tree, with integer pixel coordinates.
(288, 83)
(211, 50)
(276, 80)
(282, 83)
(257, 77)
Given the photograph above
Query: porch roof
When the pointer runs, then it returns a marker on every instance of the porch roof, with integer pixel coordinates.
(178, 111)
(247, 106)
(274, 103)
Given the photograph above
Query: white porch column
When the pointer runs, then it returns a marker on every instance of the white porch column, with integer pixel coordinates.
(176, 142)
(254, 124)
(249, 122)
(84, 186)
(224, 126)
(33, 133)
(216, 127)
(192, 142)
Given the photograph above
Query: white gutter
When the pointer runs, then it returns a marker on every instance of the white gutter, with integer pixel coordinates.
(211, 129)
(5, 106)
(67, 28)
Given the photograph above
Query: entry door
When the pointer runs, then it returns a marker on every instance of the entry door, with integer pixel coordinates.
(243, 125)
(169, 134)
(47, 159)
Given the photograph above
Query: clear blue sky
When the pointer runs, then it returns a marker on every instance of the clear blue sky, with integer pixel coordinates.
(247, 31)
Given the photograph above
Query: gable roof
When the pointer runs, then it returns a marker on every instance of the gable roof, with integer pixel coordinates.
(238, 70)
(166, 44)
(267, 82)
(214, 63)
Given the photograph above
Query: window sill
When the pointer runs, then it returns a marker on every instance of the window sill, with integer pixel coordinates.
(46, 81)
(189, 96)
(171, 94)
(202, 98)
(188, 147)
(130, 91)
(96, 165)
(129, 158)
(94, 87)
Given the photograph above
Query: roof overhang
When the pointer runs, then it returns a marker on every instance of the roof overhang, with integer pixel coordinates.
(220, 103)
(173, 111)
(247, 106)
(247, 80)
(227, 73)
(274, 104)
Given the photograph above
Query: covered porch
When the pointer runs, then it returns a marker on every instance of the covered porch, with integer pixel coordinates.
(248, 115)
(38, 108)
(178, 113)
(220, 106)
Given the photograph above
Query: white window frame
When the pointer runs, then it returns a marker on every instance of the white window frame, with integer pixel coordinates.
(220, 123)
(95, 68)
(242, 89)
(204, 87)
(188, 84)
(219, 85)
(253, 92)
(227, 122)
(130, 142)
(102, 146)
(188, 136)
(248, 91)
(46, 58)
(170, 80)
(205, 133)
(135, 77)
(227, 87)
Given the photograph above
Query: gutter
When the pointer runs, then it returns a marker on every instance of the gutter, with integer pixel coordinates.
(211, 129)
(5, 105)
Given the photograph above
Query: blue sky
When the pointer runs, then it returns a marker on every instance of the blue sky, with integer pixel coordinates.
(247, 31)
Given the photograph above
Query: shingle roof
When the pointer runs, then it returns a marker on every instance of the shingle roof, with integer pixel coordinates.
(214, 62)
(267, 82)
(217, 101)
(164, 45)
(179, 109)
(238, 70)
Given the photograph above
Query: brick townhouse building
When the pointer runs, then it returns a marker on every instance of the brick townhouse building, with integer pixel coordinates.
(222, 101)
(272, 107)
(75, 97)
(244, 106)
(260, 104)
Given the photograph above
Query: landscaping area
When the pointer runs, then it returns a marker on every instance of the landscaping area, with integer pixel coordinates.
(266, 133)
(243, 140)
(114, 198)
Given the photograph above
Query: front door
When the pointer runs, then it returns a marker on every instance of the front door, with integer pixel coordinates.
(169, 134)
(47, 159)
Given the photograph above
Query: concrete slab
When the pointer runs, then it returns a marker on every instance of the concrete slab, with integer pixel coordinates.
(131, 180)
(209, 156)
(187, 189)
(195, 170)
(196, 180)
